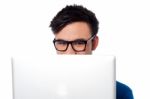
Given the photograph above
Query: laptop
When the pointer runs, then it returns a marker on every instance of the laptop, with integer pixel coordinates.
(64, 77)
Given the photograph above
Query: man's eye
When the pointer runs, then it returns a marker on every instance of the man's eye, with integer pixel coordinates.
(79, 42)
(61, 42)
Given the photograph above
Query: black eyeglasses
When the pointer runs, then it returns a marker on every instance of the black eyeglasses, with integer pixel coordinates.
(77, 45)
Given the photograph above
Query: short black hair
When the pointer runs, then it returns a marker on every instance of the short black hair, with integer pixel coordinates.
(74, 13)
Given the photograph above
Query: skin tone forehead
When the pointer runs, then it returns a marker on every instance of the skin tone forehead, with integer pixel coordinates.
(73, 31)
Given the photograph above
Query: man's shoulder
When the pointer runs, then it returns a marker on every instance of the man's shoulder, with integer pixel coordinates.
(123, 91)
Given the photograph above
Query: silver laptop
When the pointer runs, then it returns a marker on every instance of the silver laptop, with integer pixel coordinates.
(64, 77)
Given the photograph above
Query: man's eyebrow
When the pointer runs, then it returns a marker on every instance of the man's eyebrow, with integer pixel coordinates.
(60, 39)
(80, 39)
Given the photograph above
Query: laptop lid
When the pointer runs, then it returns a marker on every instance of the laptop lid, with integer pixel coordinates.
(64, 77)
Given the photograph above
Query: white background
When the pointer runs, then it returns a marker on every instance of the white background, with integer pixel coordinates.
(124, 32)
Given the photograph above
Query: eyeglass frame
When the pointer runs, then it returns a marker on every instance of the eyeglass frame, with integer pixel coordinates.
(70, 42)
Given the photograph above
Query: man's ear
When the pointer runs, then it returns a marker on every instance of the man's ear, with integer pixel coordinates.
(95, 43)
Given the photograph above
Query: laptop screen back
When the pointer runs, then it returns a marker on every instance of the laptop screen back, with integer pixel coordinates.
(64, 77)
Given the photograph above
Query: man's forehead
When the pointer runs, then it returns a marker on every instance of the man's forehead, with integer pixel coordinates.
(71, 38)
(76, 30)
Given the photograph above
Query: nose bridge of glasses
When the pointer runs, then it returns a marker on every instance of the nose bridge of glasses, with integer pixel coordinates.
(70, 48)
(70, 43)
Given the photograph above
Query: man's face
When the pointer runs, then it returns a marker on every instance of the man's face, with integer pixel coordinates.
(77, 31)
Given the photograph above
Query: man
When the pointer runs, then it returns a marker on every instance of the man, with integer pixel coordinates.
(75, 29)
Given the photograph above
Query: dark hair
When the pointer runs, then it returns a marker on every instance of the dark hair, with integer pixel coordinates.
(74, 13)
